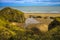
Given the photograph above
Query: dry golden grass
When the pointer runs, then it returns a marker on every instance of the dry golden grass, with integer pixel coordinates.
(43, 14)
(43, 26)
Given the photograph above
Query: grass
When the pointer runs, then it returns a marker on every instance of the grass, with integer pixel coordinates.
(9, 31)
(13, 32)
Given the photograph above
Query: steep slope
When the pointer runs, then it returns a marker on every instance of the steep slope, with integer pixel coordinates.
(12, 15)
(54, 23)
(8, 31)
(8, 15)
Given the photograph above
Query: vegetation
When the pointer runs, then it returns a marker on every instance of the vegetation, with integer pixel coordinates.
(13, 32)
(39, 17)
(12, 15)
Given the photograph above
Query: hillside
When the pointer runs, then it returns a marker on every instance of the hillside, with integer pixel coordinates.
(7, 15)
(12, 15)
(14, 32)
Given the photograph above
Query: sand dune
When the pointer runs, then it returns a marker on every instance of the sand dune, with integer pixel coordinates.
(43, 14)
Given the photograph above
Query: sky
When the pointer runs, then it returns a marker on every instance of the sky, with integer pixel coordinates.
(33, 5)
(29, 2)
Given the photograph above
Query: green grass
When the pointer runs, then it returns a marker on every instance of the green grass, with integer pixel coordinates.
(14, 32)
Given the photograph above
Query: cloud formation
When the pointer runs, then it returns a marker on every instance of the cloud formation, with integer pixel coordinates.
(12, 1)
(32, 2)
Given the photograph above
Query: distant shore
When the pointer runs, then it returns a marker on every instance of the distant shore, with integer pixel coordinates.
(43, 14)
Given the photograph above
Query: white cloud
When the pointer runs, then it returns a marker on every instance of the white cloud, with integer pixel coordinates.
(11, 1)
(6, 0)
(46, 2)
(30, 1)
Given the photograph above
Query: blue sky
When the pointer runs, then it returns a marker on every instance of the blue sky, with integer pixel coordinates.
(29, 2)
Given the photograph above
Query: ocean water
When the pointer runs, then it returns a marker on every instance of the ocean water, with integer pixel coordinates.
(36, 9)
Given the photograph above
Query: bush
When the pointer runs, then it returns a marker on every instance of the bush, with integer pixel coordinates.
(12, 15)
(5, 33)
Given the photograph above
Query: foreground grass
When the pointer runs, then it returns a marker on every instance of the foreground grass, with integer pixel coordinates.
(14, 32)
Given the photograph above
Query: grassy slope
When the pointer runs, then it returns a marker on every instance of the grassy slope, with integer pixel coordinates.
(13, 32)
(13, 15)
(8, 30)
